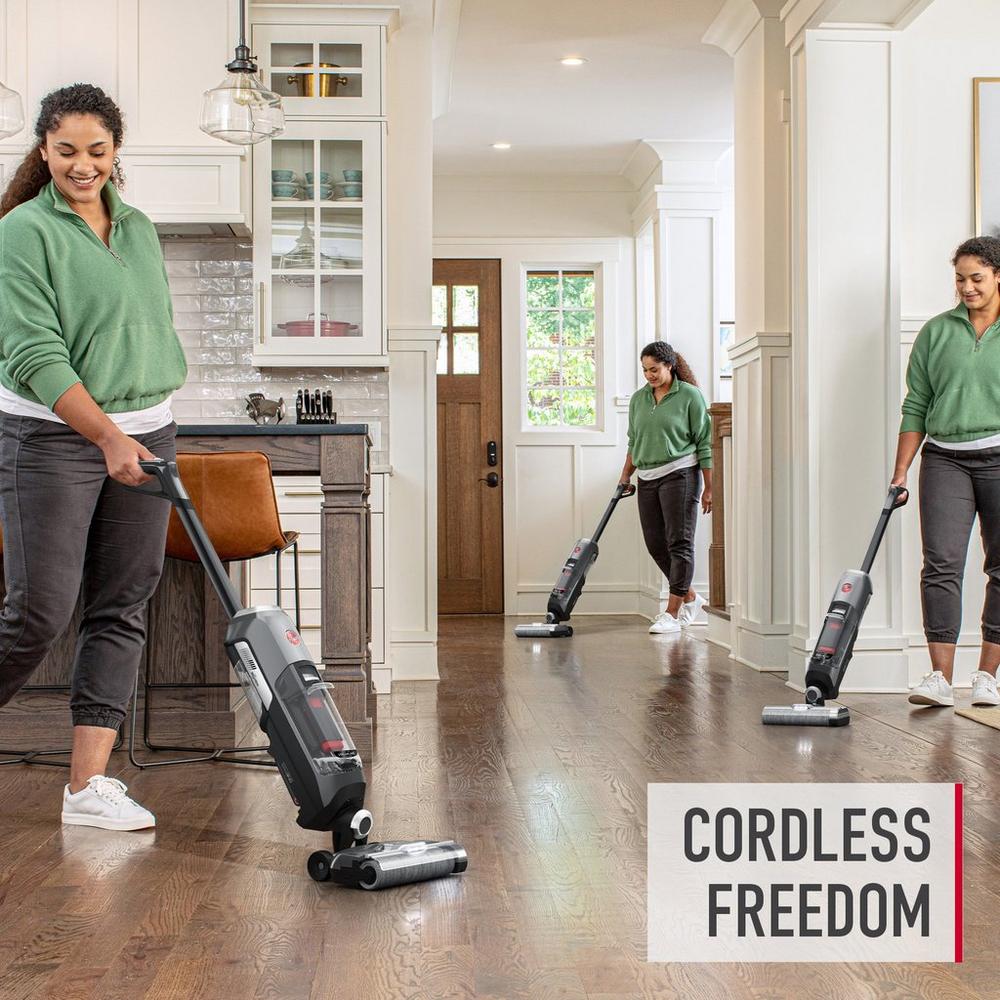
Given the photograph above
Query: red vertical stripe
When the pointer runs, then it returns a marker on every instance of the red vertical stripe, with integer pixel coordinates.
(958, 872)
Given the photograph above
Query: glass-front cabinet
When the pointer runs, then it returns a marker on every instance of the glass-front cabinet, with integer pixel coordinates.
(323, 70)
(318, 244)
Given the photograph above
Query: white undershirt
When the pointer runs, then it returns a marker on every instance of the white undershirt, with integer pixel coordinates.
(662, 470)
(993, 441)
(152, 418)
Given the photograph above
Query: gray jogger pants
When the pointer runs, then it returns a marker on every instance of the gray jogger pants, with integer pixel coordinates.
(668, 514)
(955, 486)
(66, 523)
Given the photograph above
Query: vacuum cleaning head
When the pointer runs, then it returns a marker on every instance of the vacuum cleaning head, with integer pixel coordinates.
(379, 866)
(543, 630)
(806, 715)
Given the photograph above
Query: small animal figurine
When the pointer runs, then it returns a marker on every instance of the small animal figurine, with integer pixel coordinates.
(265, 411)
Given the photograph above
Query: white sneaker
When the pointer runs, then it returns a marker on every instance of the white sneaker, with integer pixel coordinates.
(103, 803)
(690, 613)
(932, 690)
(664, 623)
(984, 689)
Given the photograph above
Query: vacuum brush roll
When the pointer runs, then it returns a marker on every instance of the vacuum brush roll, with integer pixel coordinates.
(381, 866)
(805, 715)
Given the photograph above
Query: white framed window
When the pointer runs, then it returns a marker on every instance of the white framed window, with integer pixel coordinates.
(562, 344)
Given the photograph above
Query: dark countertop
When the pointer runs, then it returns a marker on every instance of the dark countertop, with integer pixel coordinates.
(203, 430)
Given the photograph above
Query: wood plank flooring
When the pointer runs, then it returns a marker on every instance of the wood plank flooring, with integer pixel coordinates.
(536, 756)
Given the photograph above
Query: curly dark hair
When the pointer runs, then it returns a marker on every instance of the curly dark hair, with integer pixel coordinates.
(661, 351)
(79, 99)
(985, 248)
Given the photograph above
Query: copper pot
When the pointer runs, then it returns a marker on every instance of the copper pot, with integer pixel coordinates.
(328, 82)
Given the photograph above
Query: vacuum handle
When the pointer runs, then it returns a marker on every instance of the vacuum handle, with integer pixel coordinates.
(167, 485)
(896, 497)
(621, 490)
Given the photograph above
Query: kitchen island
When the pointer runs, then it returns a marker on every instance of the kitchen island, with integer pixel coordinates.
(187, 624)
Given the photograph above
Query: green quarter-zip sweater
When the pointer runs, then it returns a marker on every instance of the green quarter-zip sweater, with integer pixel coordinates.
(677, 426)
(74, 310)
(953, 380)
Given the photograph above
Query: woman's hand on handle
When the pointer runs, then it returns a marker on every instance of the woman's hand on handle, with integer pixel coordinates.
(706, 500)
(900, 481)
(122, 455)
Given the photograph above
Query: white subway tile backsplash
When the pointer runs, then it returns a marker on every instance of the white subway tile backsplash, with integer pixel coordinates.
(212, 288)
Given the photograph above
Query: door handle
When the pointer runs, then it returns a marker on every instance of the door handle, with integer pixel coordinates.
(491, 453)
(492, 480)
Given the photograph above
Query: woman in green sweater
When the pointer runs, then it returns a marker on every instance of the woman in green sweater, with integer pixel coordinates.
(669, 438)
(953, 400)
(88, 360)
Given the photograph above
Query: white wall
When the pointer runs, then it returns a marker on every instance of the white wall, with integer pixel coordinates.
(938, 213)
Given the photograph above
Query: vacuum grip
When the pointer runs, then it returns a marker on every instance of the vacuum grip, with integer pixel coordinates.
(166, 481)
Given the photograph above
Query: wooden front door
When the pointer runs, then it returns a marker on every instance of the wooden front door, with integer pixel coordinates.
(470, 457)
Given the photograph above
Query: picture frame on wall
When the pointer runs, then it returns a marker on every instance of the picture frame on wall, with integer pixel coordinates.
(986, 142)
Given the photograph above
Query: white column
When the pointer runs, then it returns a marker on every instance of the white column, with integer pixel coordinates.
(412, 521)
(687, 197)
(845, 322)
(412, 517)
(758, 546)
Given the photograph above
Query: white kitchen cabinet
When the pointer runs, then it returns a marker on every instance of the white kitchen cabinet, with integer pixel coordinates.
(323, 71)
(318, 245)
(174, 172)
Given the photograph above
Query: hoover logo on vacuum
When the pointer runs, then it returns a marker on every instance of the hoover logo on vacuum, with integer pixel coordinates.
(805, 873)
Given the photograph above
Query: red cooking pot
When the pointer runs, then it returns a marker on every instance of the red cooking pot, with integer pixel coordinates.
(327, 327)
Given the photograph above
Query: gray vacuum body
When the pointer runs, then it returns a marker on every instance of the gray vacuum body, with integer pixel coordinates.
(835, 645)
(308, 740)
(572, 577)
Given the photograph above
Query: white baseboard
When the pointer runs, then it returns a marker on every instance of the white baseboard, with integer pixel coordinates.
(413, 660)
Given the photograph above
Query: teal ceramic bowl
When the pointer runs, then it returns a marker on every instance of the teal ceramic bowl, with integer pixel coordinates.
(324, 176)
(283, 176)
(349, 190)
(325, 191)
(284, 190)
(352, 175)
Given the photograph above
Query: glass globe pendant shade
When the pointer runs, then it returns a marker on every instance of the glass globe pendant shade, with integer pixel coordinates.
(241, 110)
(11, 112)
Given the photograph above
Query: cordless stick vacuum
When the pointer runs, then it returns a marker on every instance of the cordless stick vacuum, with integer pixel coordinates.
(308, 739)
(835, 644)
(569, 586)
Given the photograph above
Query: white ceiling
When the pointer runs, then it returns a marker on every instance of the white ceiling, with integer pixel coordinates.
(647, 76)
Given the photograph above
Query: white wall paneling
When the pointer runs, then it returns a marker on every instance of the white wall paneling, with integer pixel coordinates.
(846, 322)
(412, 536)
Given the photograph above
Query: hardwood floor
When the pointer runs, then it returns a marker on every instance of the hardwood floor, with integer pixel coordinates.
(536, 756)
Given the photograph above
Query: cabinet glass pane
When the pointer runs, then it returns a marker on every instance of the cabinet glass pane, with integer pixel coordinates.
(341, 176)
(292, 308)
(341, 306)
(340, 70)
(341, 244)
(293, 242)
(293, 73)
(290, 160)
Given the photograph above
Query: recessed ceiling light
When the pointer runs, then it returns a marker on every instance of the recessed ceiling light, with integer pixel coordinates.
(501, 145)
(573, 61)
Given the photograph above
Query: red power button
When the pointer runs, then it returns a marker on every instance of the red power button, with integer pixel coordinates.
(847, 588)
(292, 636)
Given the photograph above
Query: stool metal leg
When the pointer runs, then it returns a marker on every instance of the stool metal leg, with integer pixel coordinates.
(34, 756)
(295, 571)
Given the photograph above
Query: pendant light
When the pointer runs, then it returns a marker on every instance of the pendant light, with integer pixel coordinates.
(241, 110)
(11, 112)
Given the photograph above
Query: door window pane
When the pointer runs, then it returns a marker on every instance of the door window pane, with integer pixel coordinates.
(439, 305)
(466, 361)
(442, 356)
(465, 305)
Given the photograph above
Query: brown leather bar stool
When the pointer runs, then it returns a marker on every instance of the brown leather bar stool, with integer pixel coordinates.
(35, 756)
(233, 493)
